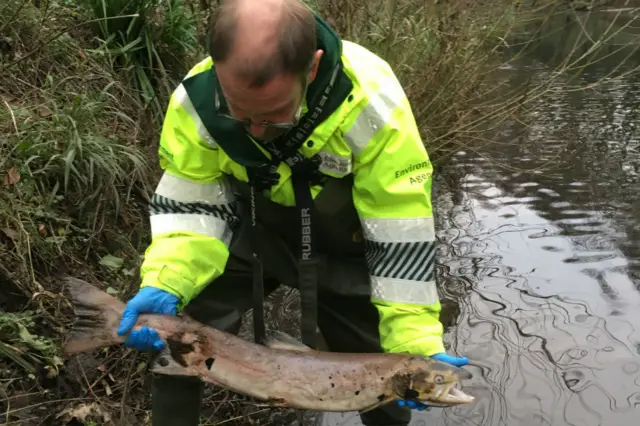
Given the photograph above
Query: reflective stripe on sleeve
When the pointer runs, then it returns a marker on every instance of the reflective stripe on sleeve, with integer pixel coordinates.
(182, 97)
(375, 115)
(400, 254)
(203, 224)
(404, 291)
(184, 191)
(399, 230)
(406, 261)
(180, 205)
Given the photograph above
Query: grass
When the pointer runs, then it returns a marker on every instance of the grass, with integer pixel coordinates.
(76, 157)
(79, 123)
(149, 40)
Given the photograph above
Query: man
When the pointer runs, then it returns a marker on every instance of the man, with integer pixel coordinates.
(281, 112)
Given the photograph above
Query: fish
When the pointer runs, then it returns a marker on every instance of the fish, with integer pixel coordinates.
(283, 372)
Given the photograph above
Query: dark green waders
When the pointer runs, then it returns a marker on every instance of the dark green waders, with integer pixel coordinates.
(346, 318)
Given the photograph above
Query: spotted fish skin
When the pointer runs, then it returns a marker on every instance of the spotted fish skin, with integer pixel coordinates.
(282, 373)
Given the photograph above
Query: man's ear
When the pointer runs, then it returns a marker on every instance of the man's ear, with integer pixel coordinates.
(315, 64)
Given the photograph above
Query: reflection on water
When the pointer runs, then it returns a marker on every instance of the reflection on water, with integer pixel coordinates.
(542, 258)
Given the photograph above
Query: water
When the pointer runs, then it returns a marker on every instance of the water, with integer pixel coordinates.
(540, 259)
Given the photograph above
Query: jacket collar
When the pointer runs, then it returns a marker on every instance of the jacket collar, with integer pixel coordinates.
(331, 44)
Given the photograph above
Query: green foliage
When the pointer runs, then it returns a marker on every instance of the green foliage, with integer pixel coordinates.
(74, 146)
(440, 52)
(19, 343)
(64, 146)
(151, 41)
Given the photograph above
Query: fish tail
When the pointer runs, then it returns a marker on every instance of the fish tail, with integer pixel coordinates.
(97, 316)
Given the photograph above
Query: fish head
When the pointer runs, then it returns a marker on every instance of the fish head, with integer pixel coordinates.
(432, 382)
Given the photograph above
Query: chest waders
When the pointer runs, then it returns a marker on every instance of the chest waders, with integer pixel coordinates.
(304, 172)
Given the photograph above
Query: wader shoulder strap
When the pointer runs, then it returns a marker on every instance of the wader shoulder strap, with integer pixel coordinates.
(307, 262)
(259, 331)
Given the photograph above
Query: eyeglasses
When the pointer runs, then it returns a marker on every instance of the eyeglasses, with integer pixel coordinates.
(272, 130)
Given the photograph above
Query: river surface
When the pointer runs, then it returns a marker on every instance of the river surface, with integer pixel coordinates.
(539, 262)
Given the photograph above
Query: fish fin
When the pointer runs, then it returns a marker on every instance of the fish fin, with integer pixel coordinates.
(381, 401)
(272, 403)
(97, 315)
(281, 340)
(278, 403)
(164, 363)
(371, 407)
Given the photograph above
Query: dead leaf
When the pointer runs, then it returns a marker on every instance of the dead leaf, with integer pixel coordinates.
(44, 112)
(51, 372)
(44, 293)
(107, 388)
(83, 411)
(12, 177)
(20, 399)
(101, 368)
(126, 219)
(12, 234)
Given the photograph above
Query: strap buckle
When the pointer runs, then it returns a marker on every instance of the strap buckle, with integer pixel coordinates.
(263, 177)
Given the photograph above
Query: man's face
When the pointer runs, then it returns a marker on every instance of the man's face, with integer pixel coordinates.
(277, 102)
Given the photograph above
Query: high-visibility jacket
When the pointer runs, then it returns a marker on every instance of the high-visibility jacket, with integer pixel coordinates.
(371, 134)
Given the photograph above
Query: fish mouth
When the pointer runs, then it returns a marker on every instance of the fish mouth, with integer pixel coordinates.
(447, 395)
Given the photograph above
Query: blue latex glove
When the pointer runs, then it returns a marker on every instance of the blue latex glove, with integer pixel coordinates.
(419, 406)
(148, 300)
(453, 360)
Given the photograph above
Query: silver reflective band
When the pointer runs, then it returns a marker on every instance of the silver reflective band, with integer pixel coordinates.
(399, 230)
(185, 191)
(183, 99)
(404, 291)
(207, 225)
(372, 118)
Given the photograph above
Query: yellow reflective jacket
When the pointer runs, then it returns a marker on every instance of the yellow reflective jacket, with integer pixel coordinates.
(372, 134)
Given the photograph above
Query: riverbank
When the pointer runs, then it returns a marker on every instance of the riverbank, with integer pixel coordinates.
(79, 123)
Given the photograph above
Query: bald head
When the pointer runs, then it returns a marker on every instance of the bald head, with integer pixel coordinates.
(260, 39)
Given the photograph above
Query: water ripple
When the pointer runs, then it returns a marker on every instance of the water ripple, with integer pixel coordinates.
(543, 267)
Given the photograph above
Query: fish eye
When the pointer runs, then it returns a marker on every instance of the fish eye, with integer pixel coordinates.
(438, 379)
